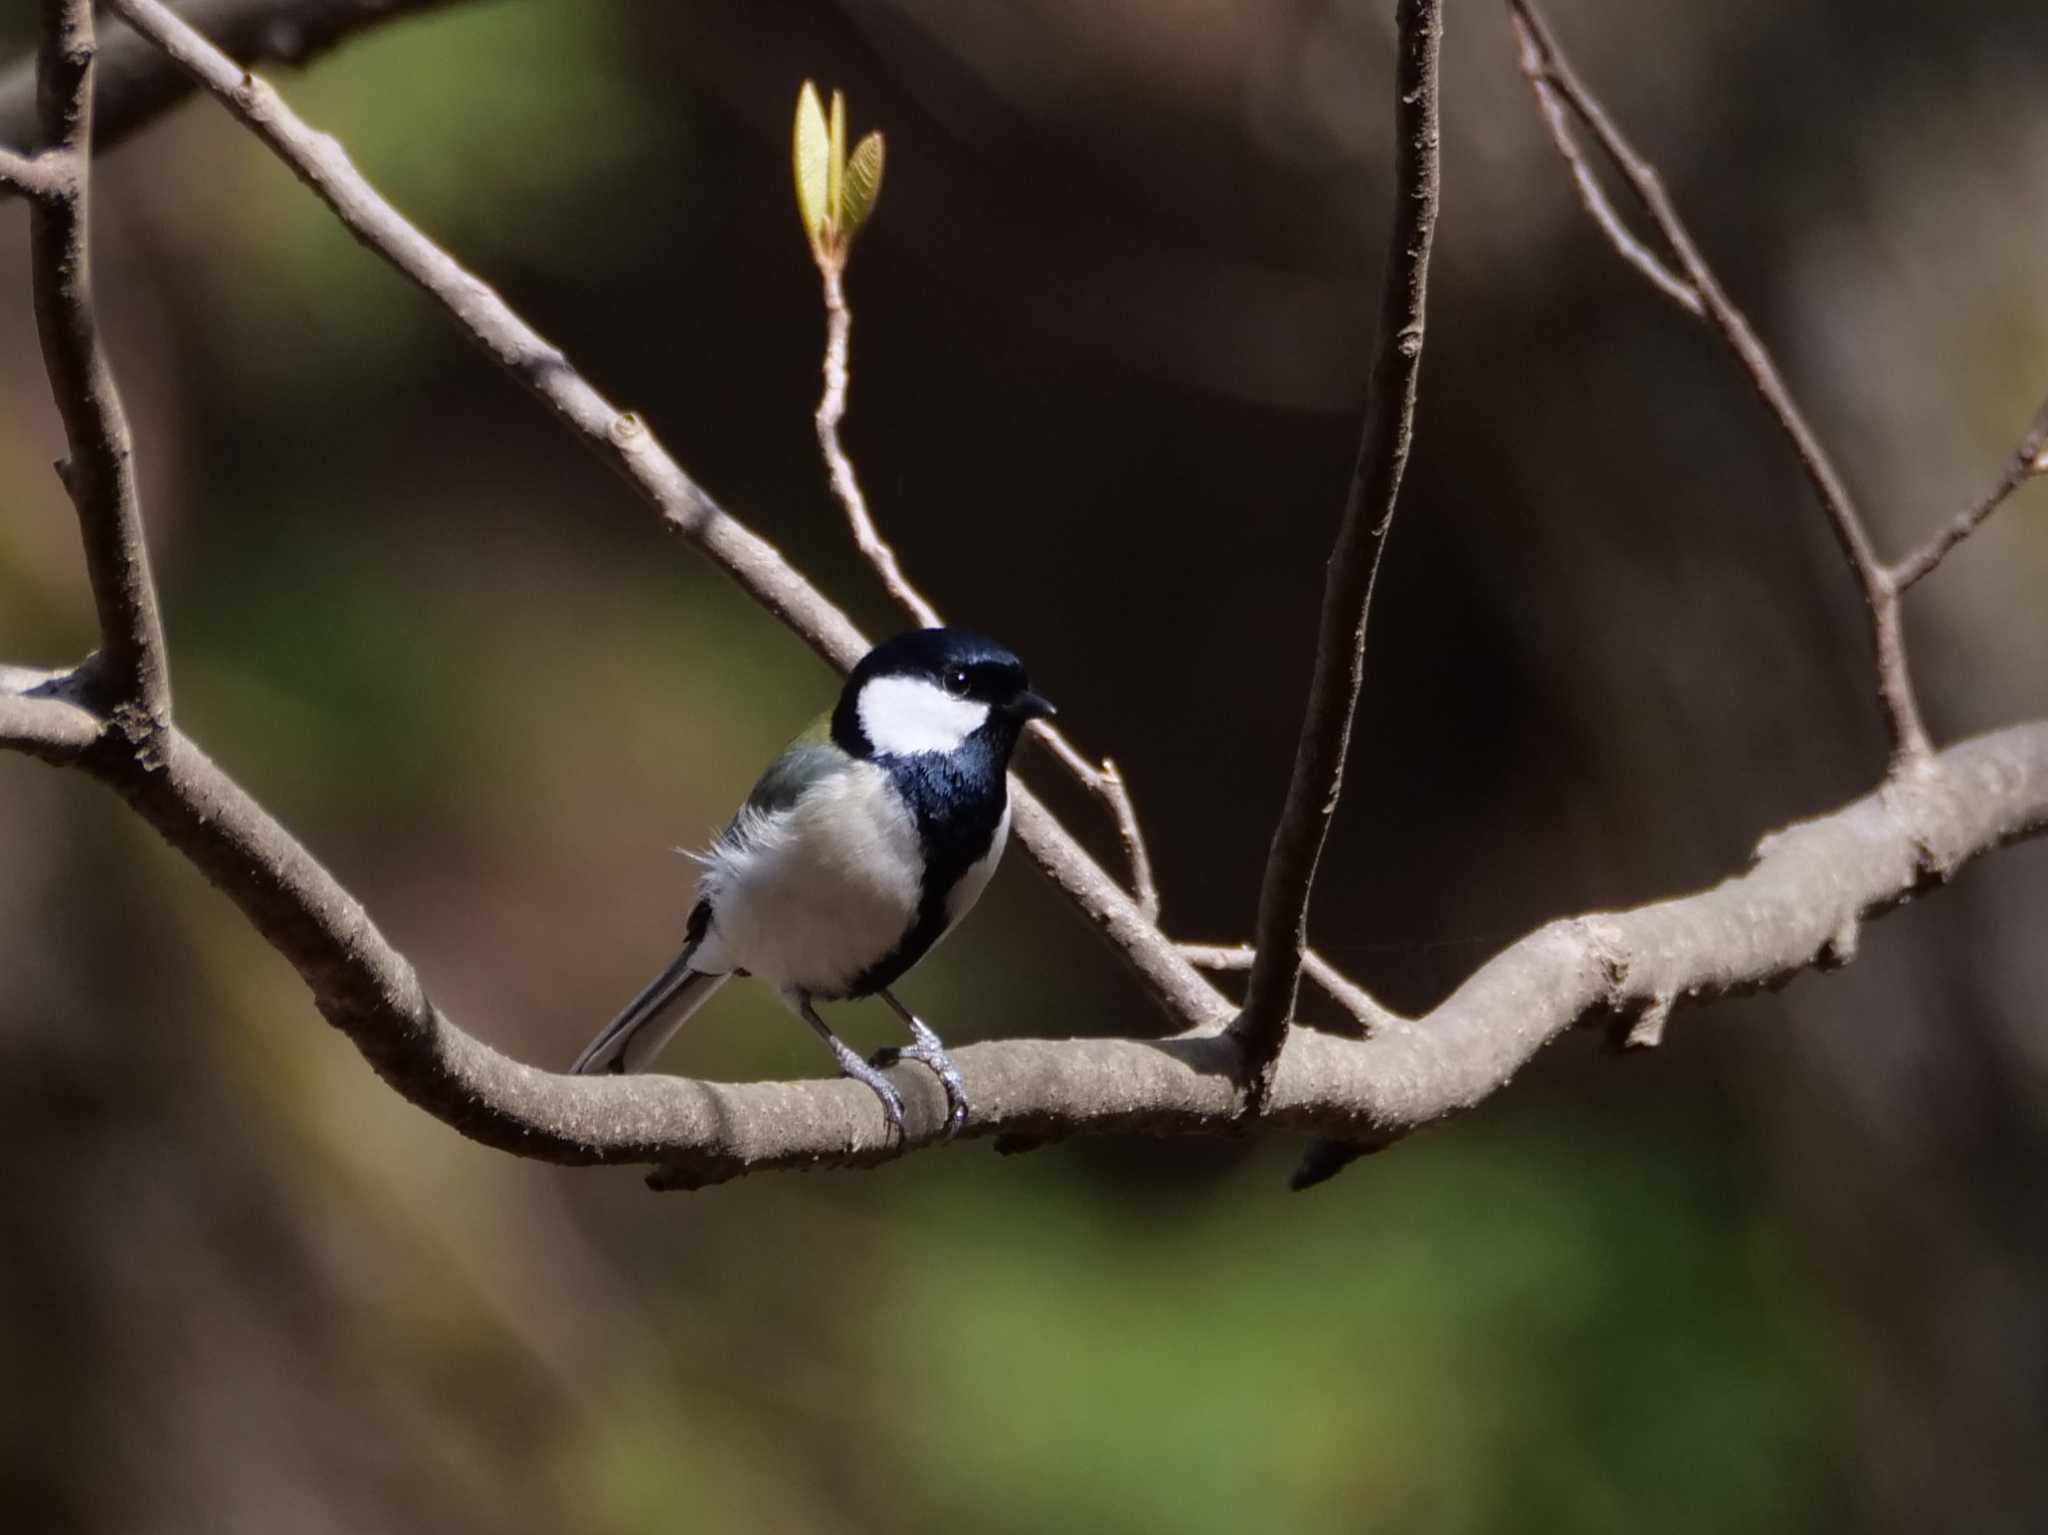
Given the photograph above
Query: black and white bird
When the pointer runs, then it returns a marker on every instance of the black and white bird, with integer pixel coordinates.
(861, 846)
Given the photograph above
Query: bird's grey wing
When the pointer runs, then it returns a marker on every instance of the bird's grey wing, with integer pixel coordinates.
(807, 760)
(633, 1037)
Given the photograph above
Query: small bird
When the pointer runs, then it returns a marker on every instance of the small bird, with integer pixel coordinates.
(861, 846)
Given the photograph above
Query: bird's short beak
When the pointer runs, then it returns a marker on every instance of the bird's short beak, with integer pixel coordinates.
(1029, 706)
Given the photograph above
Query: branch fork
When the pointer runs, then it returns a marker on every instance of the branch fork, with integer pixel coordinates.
(1565, 101)
(130, 674)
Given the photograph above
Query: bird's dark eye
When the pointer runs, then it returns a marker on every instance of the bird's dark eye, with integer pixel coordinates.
(956, 681)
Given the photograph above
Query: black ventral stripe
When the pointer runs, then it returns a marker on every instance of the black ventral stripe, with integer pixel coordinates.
(957, 799)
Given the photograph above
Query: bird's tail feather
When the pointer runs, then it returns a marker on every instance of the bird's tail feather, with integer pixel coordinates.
(651, 1019)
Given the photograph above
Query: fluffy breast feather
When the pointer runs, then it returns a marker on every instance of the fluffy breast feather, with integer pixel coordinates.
(814, 895)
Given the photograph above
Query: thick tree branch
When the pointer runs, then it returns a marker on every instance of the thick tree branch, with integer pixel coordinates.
(1318, 778)
(625, 442)
(2029, 459)
(1801, 904)
(1558, 88)
(137, 83)
(131, 670)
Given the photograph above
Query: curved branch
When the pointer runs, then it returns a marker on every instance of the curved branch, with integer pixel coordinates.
(1318, 779)
(1801, 904)
(138, 84)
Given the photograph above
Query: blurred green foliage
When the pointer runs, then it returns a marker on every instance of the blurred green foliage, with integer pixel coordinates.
(1512, 1329)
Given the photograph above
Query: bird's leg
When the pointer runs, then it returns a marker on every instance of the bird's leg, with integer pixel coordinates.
(928, 1049)
(850, 1063)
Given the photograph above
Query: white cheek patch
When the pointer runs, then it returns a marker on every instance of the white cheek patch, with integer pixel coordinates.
(903, 716)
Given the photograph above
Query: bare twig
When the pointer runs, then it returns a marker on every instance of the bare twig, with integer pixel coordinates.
(1318, 778)
(38, 717)
(1336, 985)
(131, 669)
(839, 468)
(1108, 781)
(136, 84)
(1593, 196)
(29, 175)
(1104, 781)
(2029, 459)
(626, 443)
(1554, 81)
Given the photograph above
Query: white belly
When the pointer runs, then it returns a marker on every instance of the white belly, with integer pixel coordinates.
(811, 897)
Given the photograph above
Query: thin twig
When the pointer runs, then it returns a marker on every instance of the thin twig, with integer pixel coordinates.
(2029, 459)
(1336, 985)
(625, 442)
(1109, 783)
(839, 468)
(1593, 196)
(38, 717)
(29, 175)
(1318, 778)
(1104, 781)
(131, 669)
(1553, 79)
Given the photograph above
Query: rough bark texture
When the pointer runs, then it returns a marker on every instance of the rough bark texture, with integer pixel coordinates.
(1800, 905)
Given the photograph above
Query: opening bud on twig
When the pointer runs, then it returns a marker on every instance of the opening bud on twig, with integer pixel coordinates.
(835, 191)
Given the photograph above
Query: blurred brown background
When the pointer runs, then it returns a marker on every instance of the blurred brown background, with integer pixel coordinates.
(1784, 1274)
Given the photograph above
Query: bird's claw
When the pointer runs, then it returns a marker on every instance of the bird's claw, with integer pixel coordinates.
(873, 1080)
(932, 1053)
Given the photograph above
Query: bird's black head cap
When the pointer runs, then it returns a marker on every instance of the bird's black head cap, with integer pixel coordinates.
(961, 662)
